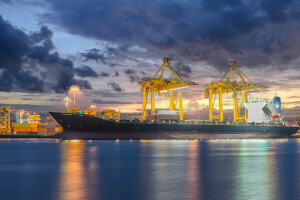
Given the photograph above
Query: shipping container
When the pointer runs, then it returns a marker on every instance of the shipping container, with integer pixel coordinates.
(34, 125)
(58, 129)
(34, 129)
(21, 125)
(22, 129)
(41, 129)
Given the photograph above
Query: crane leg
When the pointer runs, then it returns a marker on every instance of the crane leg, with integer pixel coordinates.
(246, 101)
(235, 108)
(144, 103)
(210, 104)
(180, 104)
(220, 105)
(171, 100)
(152, 99)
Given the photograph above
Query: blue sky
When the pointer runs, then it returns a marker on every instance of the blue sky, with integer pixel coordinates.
(107, 47)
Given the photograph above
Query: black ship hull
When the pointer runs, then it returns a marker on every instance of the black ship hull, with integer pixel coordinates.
(88, 127)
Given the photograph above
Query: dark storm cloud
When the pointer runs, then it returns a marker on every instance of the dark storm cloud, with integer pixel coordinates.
(184, 71)
(25, 58)
(116, 87)
(116, 74)
(252, 32)
(132, 75)
(93, 54)
(85, 71)
(104, 74)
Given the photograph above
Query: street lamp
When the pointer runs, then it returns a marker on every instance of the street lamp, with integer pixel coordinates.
(74, 89)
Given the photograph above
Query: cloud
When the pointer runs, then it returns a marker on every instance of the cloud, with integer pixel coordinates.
(116, 87)
(132, 75)
(116, 74)
(98, 101)
(85, 71)
(255, 33)
(28, 62)
(104, 74)
(93, 54)
(184, 71)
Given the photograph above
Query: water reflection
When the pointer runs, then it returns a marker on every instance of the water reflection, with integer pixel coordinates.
(252, 175)
(168, 169)
(77, 173)
(193, 185)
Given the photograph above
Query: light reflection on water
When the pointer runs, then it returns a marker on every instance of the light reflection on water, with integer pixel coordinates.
(187, 169)
(77, 171)
(193, 187)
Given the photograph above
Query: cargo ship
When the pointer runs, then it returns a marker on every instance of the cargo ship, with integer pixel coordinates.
(80, 126)
(260, 118)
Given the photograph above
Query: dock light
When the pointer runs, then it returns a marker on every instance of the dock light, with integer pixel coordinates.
(74, 89)
(93, 107)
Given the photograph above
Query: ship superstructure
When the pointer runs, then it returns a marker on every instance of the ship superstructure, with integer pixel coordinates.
(263, 111)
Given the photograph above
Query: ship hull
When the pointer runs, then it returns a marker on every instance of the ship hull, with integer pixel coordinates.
(88, 127)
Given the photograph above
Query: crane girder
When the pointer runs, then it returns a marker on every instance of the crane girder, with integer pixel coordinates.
(237, 89)
(158, 84)
(225, 86)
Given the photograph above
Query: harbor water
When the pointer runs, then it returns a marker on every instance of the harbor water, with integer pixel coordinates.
(155, 169)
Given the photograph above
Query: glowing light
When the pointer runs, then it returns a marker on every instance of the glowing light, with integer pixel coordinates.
(74, 141)
(74, 88)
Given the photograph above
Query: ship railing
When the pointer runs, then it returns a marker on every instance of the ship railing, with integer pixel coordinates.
(204, 122)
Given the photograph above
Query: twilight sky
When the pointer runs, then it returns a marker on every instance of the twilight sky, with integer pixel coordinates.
(107, 47)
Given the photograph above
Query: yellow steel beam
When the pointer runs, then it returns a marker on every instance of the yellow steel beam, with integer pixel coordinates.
(171, 100)
(163, 69)
(210, 104)
(175, 105)
(229, 74)
(220, 105)
(158, 70)
(144, 93)
(180, 104)
(246, 101)
(237, 71)
(152, 99)
(171, 68)
(235, 108)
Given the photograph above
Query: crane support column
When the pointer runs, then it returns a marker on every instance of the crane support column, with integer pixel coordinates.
(171, 100)
(235, 107)
(210, 104)
(220, 105)
(180, 104)
(152, 99)
(246, 101)
(144, 103)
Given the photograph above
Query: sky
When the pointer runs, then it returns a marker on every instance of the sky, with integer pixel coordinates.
(108, 47)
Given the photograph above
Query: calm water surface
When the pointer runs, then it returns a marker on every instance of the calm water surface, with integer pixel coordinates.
(219, 169)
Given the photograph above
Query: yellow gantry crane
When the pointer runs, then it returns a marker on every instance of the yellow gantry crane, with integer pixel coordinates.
(5, 120)
(110, 114)
(237, 89)
(158, 86)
